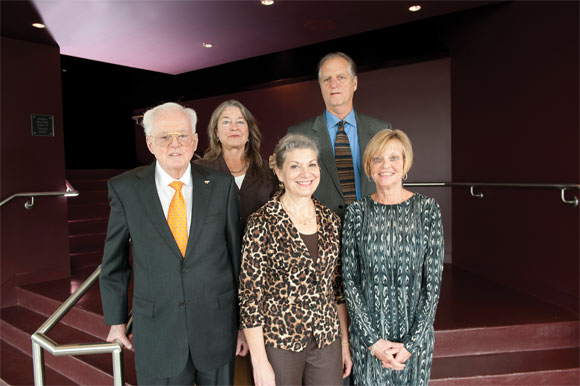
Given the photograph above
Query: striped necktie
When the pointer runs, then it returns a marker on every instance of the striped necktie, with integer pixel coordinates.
(177, 217)
(343, 158)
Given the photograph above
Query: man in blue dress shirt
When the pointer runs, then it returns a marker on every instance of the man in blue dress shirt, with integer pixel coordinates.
(340, 158)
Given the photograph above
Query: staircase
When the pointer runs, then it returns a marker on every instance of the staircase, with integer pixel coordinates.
(83, 324)
(485, 334)
(87, 216)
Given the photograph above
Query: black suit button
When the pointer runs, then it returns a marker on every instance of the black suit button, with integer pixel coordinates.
(185, 270)
(182, 305)
(341, 207)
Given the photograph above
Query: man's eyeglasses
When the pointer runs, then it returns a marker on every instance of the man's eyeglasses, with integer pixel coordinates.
(166, 139)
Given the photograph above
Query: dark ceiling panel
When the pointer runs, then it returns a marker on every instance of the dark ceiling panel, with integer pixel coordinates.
(17, 19)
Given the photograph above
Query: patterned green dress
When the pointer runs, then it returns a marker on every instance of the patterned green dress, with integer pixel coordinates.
(392, 266)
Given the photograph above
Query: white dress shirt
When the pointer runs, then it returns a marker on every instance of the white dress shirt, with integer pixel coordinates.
(239, 180)
(166, 192)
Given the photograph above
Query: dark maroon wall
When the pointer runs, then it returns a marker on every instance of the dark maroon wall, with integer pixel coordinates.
(514, 118)
(34, 243)
(514, 108)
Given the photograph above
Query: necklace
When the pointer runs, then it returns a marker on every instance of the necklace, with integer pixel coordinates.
(241, 170)
(299, 219)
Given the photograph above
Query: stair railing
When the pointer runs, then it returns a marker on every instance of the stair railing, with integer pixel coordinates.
(472, 185)
(41, 341)
(69, 192)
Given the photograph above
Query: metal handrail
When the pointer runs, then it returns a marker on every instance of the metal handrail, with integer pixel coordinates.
(70, 192)
(40, 340)
(473, 185)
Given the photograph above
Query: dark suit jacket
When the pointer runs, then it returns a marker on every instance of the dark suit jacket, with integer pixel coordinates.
(257, 187)
(329, 192)
(179, 304)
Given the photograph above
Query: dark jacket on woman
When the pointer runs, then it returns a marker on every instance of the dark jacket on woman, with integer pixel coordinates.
(258, 186)
(281, 288)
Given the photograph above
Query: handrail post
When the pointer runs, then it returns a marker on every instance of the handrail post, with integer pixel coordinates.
(30, 203)
(472, 192)
(38, 364)
(118, 373)
(573, 201)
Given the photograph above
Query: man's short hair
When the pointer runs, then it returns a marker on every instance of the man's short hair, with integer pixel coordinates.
(332, 55)
(150, 114)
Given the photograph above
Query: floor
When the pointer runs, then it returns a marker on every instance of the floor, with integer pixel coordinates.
(466, 302)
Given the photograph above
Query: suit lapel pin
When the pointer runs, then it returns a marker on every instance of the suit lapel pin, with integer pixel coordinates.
(207, 182)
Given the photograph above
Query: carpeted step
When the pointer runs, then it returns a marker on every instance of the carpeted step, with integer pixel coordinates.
(540, 367)
(80, 262)
(16, 369)
(88, 211)
(45, 298)
(87, 196)
(89, 242)
(76, 174)
(86, 226)
(495, 339)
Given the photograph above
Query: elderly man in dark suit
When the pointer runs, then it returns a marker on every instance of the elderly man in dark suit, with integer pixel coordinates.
(342, 135)
(181, 222)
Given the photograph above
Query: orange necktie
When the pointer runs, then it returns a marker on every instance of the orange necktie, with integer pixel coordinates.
(177, 217)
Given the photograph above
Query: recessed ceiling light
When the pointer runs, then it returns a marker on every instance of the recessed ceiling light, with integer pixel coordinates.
(38, 25)
(415, 8)
(267, 2)
(207, 45)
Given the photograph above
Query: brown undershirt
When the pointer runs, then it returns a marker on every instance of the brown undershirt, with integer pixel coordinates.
(311, 242)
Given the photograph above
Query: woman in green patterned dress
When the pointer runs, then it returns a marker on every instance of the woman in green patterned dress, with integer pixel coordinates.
(392, 266)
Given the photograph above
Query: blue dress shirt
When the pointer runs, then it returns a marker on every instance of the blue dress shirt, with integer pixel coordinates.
(352, 134)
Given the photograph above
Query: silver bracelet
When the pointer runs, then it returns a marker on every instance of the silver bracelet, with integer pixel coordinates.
(373, 348)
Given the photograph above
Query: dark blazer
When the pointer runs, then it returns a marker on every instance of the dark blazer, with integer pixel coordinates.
(179, 304)
(329, 192)
(257, 187)
(281, 288)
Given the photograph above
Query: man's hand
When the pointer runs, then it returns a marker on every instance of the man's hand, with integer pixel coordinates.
(241, 345)
(117, 334)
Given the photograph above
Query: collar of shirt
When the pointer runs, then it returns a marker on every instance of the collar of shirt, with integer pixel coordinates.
(349, 126)
(165, 179)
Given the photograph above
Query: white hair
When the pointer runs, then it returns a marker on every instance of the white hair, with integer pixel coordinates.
(150, 115)
(291, 142)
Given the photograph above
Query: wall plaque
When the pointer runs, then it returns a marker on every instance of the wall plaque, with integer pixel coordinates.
(42, 125)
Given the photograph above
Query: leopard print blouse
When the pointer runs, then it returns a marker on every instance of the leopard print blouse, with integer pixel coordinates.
(281, 289)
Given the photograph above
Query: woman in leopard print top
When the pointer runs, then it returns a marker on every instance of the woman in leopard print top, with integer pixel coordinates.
(291, 298)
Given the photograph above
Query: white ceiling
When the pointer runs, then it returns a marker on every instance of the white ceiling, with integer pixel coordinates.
(167, 35)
